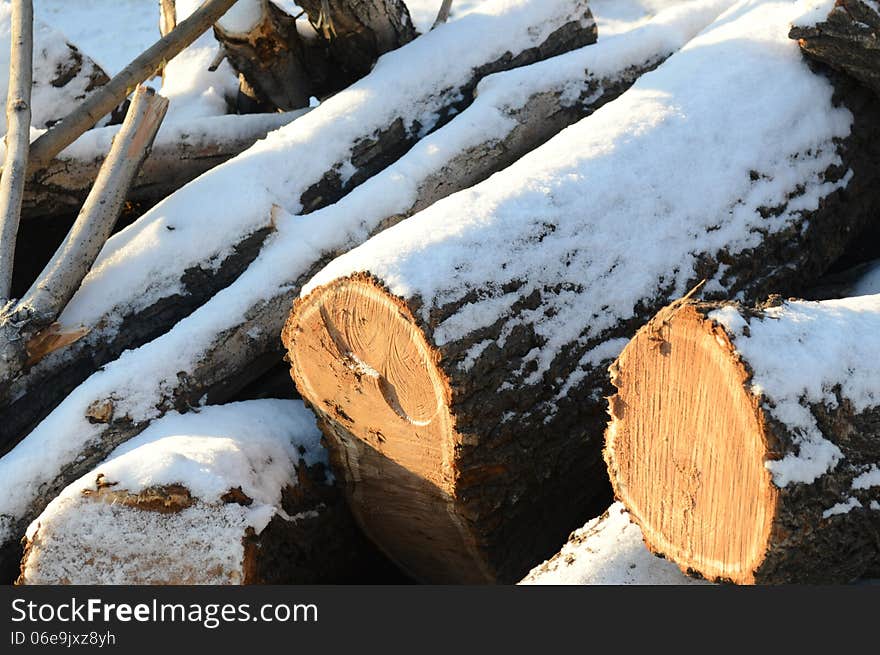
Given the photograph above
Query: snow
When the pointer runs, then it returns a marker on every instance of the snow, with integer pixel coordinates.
(253, 445)
(608, 550)
(192, 90)
(51, 55)
(146, 260)
(643, 173)
(242, 17)
(813, 12)
(112, 32)
(799, 353)
(868, 479)
(841, 508)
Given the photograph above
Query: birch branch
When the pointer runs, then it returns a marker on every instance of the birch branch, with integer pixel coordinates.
(443, 14)
(63, 274)
(18, 117)
(115, 91)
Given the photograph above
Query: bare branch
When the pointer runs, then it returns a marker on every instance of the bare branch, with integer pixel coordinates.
(443, 14)
(167, 16)
(18, 118)
(142, 68)
(63, 274)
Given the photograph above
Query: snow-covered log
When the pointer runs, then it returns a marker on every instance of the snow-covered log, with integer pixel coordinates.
(182, 151)
(63, 74)
(458, 360)
(608, 550)
(844, 34)
(236, 494)
(746, 442)
(198, 240)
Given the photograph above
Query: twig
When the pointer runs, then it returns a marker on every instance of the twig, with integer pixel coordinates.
(18, 121)
(62, 276)
(110, 95)
(443, 14)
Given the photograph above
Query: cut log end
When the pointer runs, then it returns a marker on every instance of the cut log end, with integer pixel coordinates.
(360, 360)
(699, 447)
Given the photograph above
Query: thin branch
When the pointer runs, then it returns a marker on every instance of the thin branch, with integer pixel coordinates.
(167, 16)
(115, 91)
(443, 14)
(63, 274)
(18, 127)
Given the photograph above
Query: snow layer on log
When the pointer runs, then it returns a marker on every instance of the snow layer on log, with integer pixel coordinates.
(607, 550)
(813, 12)
(144, 262)
(803, 353)
(194, 91)
(251, 446)
(702, 164)
(63, 76)
(272, 281)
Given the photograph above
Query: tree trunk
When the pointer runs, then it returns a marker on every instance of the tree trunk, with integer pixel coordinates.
(270, 59)
(180, 154)
(357, 32)
(188, 537)
(457, 360)
(115, 326)
(848, 39)
(746, 442)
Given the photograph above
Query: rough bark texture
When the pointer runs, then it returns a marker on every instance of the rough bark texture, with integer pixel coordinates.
(848, 40)
(62, 186)
(516, 495)
(271, 61)
(687, 447)
(31, 397)
(357, 32)
(280, 69)
(319, 544)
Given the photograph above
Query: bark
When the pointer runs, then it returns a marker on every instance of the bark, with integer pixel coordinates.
(314, 541)
(848, 40)
(31, 397)
(99, 104)
(271, 61)
(489, 438)
(278, 68)
(356, 32)
(708, 449)
(18, 121)
(178, 156)
(442, 13)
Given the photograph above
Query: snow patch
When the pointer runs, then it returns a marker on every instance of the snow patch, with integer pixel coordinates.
(608, 550)
(868, 479)
(842, 508)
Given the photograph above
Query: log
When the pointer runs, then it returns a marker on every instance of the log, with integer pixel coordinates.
(608, 550)
(181, 153)
(172, 267)
(745, 441)
(463, 395)
(278, 68)
(357, 32)
(846, 38)
(238, 494)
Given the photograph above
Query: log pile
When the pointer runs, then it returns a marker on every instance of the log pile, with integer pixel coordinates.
(470, 266)
(462, 396)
